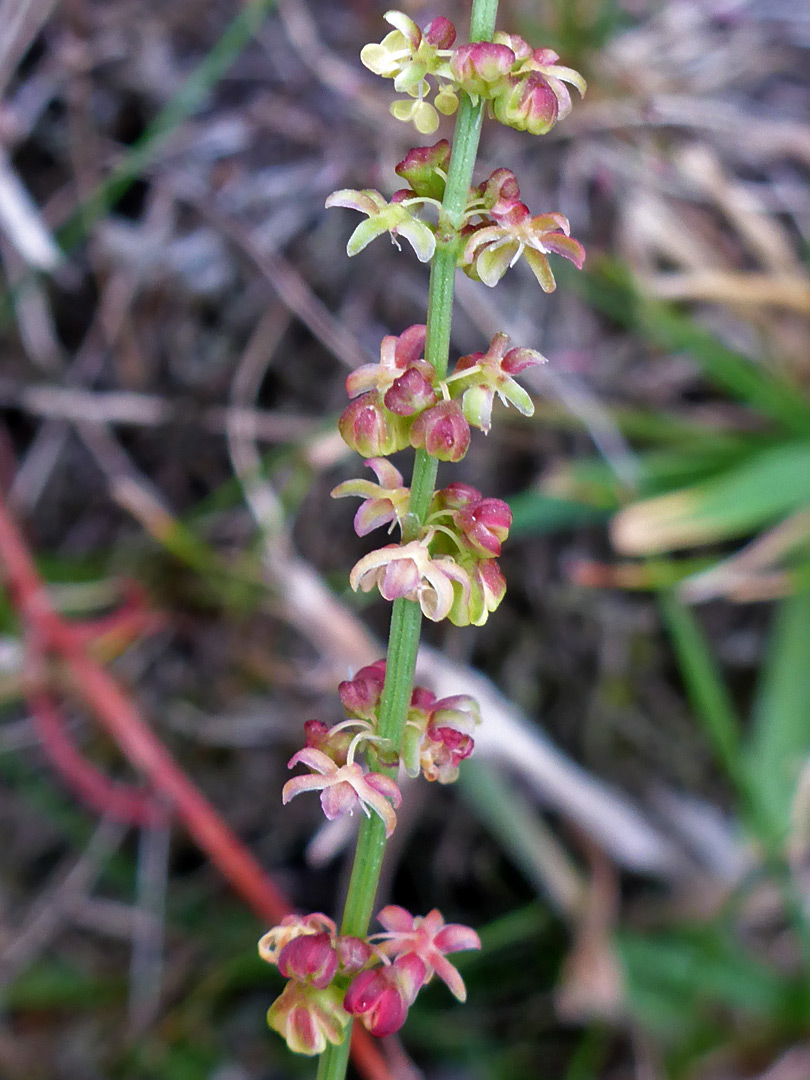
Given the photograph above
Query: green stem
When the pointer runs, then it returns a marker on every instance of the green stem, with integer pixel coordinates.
(406, 617)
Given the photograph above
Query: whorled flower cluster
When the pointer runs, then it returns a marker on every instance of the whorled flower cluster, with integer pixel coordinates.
(499, 228)
(524, 88)
(401, 402)
(450, 567)
(439, 735)
(332, 977)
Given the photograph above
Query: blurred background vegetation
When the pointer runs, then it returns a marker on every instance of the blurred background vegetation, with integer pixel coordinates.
(177, 319)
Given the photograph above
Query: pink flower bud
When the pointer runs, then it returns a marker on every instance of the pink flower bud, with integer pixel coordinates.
(319, 736)
(425, 169)
(309, 959)
(443, 431)
(381, 998)
(485, 525)
(455, 496)
(422, 699)
(367, 427)
(480, 67)
(527, 103)
(361, 695)
(500, 193)
(543, 57)
(412, 392)
(353, 952)
(517, 360)
(440, 33)
(519, 46)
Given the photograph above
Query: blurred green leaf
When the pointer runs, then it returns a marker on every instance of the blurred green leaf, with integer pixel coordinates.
(779, 743)
(595, 482)
(611, 289)
(769, 485)
(674, 979)
(534, 513)
(705, 686)
(54, 984)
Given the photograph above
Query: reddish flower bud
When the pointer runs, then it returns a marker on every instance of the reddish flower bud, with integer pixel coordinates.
(353, 952)
(481, 66)
(517, 360)
(440, 33)
(485, 525)
(527, 103)
(422, 699)
(454, 496)
(367, 427)
(443, 431)
(309, 959)
(500, 193)
(412, 392)
(519, 46)
(425, 169)
(361, 695)
(381, 997)
(320, 736)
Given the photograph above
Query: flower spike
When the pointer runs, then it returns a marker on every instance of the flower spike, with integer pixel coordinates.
(451, 538)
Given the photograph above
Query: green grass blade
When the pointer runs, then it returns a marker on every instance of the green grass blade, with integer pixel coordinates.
(611, 290)
(705, 687)
(770, 485)
(779, 743)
